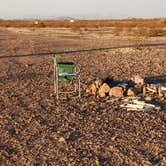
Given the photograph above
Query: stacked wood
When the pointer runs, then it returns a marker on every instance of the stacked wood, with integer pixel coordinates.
(94, 88)
(152, 89)
(103, 89)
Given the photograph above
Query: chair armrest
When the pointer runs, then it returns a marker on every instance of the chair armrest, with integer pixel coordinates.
(78, 68)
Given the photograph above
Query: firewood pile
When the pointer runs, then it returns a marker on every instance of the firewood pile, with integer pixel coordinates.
(139, 87)
(133, 97)
(159, 89)
(103, 89)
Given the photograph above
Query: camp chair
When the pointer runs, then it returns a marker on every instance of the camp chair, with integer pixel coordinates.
(66, 72)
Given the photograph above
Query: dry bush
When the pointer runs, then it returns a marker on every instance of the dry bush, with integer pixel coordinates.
(39, 24)
(76, 30)
(156, 32)
(150, 32)
(162, 21)
(16, 24)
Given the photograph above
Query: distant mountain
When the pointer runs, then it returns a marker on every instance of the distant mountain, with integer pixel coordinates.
(99, 16)
(64, 18)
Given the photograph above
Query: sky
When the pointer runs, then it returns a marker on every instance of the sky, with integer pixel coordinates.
(20, 9)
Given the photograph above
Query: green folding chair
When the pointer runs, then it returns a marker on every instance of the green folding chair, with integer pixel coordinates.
(66, 72)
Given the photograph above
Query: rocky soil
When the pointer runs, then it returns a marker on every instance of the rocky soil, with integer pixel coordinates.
(36, 129)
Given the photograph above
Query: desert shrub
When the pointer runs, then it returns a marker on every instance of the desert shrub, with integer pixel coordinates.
(150, 32)
(76, 30)
(162, 21)
(39, 24)
(85, 29)
(156, 32)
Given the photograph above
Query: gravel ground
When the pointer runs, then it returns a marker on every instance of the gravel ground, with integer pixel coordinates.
(36, 129)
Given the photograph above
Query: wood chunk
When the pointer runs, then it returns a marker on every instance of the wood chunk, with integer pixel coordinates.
(98, 83)
(132, 92)
(116, 92)
(101, 93)
(104, 89)
(151, 90)
(92, 90)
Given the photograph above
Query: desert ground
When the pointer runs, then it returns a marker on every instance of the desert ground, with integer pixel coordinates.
(36, 129)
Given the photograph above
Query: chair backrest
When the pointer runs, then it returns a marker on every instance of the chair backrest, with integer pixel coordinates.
(64, 67)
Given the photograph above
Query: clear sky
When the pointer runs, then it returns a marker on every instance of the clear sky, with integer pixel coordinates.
(82, 8)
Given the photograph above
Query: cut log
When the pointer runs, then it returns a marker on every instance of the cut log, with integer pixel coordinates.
(116, 92)
(132, 92)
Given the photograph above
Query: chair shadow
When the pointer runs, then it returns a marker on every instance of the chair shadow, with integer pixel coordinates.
(148, 80)
(113, 83)
(156, 79)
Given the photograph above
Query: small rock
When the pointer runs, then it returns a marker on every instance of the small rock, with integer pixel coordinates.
(116, 92)
(97, 162)
(132, 92)
(148, 98)
(139, 88)
(53, 136)
(163, 161)
(62, 140)
(138, 80)
(111, 148)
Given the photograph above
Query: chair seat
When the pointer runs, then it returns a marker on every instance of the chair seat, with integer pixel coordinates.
(68, 74)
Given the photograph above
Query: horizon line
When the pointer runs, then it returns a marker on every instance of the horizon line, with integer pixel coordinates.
(75, 18)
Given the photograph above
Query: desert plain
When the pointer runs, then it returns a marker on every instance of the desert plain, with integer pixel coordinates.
(37, 129)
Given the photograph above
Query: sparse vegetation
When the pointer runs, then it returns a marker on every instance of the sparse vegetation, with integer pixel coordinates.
(39, 24)
(163, 21)
(150, 32)
(144, 27)
(150, 23)
(36, 129)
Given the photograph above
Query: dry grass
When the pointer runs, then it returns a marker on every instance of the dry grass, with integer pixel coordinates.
(140, 27)
(150, 23)
(150, 32)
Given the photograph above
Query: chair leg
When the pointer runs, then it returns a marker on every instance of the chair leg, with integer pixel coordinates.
(76, 87)
(57, 86)
(79, 85)
(54, 80)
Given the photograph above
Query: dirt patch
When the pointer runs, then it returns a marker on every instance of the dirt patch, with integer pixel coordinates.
(36, 129)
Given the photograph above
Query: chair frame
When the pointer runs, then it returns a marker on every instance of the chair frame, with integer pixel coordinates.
(76, 79)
